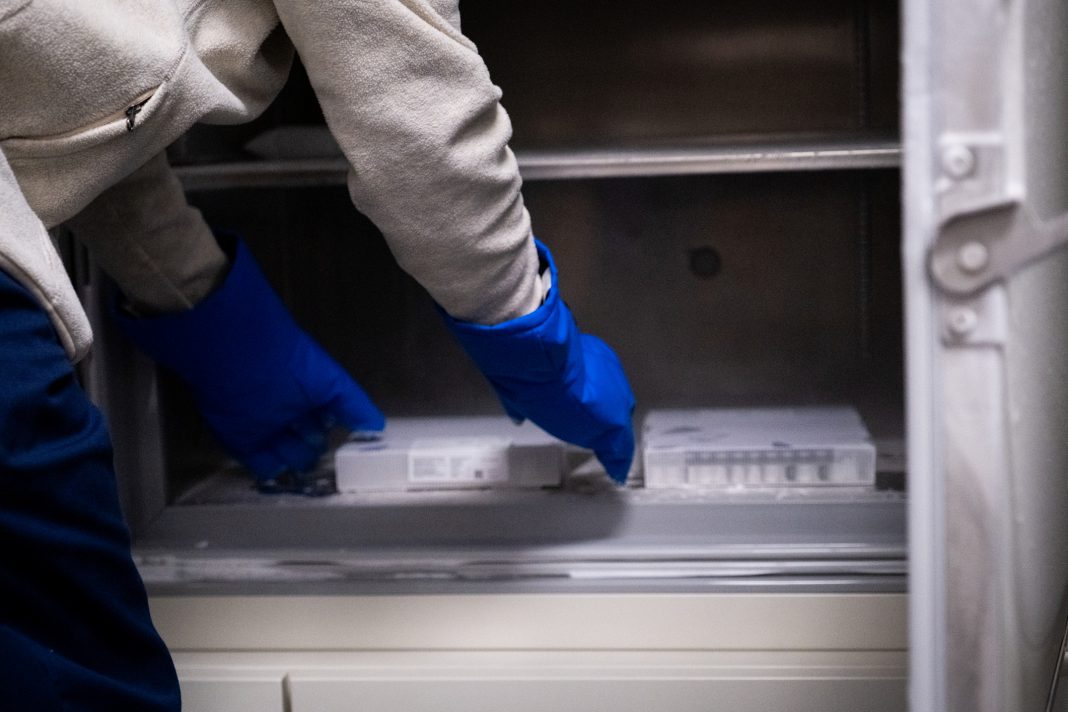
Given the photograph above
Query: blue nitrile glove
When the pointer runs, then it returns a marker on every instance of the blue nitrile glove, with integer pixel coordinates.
(569, 383)
(267, 390)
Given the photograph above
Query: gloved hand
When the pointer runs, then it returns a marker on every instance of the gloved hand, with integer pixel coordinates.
(569, 383)
(265, 388)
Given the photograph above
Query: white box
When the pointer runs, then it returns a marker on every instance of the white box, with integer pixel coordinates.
(757, 448)
(451, 453)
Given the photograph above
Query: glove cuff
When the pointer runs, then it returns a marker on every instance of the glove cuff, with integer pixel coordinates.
(532, 347)
(243, 320)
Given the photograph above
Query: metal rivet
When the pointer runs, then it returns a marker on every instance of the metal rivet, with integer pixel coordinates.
(962, 322)
(973, 257)
(958, 161)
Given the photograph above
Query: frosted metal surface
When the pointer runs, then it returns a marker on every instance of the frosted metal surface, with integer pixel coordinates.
(516, 541)
(988, 384)
(1037, 497)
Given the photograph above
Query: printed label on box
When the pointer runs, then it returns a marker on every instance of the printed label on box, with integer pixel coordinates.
(458, 460)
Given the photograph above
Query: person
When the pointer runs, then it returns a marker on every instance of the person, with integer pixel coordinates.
(91, 94)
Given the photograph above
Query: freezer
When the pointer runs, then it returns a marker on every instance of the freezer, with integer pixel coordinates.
(723, 186)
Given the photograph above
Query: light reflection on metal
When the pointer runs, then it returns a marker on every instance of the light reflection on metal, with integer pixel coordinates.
(579, 163)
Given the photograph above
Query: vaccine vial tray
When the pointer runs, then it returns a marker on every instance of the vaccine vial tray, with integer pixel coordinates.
(451, 453)
(757, 449)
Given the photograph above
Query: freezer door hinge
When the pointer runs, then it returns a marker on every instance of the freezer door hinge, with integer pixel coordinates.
(987, 230)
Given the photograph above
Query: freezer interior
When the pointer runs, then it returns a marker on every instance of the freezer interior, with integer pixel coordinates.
(719, 185)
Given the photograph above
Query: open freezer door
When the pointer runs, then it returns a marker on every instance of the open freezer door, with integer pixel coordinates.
(986, 186)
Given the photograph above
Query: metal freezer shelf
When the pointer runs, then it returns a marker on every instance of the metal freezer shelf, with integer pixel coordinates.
(580, 163)
(754, 158)
(582, 539)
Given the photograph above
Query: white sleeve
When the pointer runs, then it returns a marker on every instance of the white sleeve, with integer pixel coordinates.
(156, 247)
(411, 104)
(28, 255)
(448, 9)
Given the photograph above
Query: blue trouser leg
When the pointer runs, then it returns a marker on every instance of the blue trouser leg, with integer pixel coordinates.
(75, 632)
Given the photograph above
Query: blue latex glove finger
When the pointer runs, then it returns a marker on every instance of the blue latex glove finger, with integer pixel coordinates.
(596, 414)
(544, 369)
(312, 431)
(252, 441)
(341, 401)
(288, 467)
(617, 455)
(264, 387)
(513, 413)
(296, 452)
(264, 465)
(333, 397)
(615, 448)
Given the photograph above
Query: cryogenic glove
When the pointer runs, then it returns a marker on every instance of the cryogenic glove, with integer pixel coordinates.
(569, 383)
(266, 389)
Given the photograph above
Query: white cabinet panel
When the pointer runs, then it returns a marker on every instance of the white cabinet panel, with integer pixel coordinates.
(208, 686)
(613, 681)
(766, 693)
(468, 653)
(534, 622)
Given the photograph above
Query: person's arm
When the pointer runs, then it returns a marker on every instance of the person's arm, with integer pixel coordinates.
(28, 255)
(264, 386)
(145, 236)
(412, 106)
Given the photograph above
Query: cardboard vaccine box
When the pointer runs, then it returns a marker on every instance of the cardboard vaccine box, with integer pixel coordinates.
(757, 448)
(451, 453)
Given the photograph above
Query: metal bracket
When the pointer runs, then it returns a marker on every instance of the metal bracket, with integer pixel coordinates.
(987, 233)
(975, 250)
